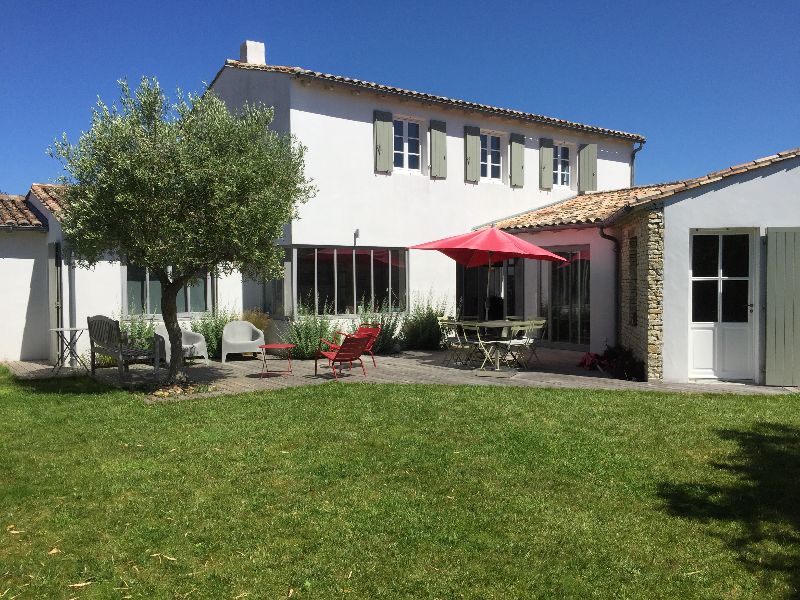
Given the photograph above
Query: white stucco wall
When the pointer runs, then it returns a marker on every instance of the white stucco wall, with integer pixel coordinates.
(98, 291)
(601, 280)
(230, 292)
(769, 197)
(23, 296)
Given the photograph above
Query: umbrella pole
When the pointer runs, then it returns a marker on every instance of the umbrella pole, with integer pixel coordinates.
(488, 280)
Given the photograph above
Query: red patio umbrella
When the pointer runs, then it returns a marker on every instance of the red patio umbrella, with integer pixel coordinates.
(486, 247)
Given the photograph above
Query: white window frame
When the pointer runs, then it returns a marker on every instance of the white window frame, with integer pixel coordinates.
(405, 120)
(557, 147)
(488, 134)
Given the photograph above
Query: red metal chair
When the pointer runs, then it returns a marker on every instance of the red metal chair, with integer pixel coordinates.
(351, 348)
(368, 330)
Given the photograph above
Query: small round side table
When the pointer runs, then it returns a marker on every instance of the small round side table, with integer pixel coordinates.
(265, 347)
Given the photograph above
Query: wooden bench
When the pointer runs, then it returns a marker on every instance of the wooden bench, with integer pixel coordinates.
(105, 337)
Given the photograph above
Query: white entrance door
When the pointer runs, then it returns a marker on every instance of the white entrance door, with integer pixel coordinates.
(721, 330)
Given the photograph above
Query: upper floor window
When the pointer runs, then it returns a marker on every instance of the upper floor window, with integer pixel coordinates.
(561, 174)
(407, 150)
(490, 156)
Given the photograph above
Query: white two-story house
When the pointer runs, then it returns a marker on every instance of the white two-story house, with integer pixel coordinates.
(395, 167)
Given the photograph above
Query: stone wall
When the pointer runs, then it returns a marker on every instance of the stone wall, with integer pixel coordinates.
(641, 287)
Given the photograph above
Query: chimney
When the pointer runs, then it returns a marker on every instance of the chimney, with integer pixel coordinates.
(252, 53)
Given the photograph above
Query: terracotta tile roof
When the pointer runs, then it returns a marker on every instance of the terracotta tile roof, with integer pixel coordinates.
(463, 104)
(51, 196)
(16, 213)
(603, 207)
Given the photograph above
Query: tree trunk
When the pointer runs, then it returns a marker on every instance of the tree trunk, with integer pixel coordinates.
(169, 312)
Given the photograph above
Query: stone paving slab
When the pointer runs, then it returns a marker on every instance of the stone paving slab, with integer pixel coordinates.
(556, 368)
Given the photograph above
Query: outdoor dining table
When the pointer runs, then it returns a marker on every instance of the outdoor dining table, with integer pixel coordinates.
(69, 347)
(496, 324)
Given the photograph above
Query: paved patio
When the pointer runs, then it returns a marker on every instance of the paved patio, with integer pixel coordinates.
(556, 368)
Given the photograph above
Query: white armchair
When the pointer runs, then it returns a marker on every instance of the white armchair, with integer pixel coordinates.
(194, 344)
(241, 336)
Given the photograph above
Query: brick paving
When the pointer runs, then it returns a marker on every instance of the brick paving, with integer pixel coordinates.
(557, 368)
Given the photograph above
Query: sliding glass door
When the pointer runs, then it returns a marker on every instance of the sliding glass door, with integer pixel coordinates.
(564, 295)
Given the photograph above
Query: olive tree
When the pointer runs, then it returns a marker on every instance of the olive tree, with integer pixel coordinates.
(180, 187)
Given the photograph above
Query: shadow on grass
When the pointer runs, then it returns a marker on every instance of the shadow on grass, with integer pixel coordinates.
(63, 385)
(764, 501)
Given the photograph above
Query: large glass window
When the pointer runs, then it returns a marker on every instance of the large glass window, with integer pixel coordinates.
(363, 258)
(380, 277)
(397, 274)
(490, 156)
(306, 274)
(345, 282)
(506, 290)
(515, 288)
(143, 293)
(136, 290)
(720, 278)
(407, 147)
(326, 280)
(193, 298)
(338, 280)
(561, 174)
(564, 295)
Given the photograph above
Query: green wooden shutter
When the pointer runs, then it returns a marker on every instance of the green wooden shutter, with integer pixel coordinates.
(545, 164)
(783, 306)
(383, 138)
(517, 151)
(438, 149)
(587, 168)
(472, 154)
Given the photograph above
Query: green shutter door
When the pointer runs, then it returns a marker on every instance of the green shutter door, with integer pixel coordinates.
(472, 154)
(587, 168)
(783, 307)
(438, 149)
(517, 151)
(383, 139)
(545, 164)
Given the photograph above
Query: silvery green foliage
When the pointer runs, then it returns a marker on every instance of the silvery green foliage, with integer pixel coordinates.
(186, 185)
(181, 188)
(211, 326)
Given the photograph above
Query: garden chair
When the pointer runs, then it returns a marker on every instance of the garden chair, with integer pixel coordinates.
(522, 340)
(478, 345)
(241, 336)
(106, 338)
(456, 348)
(351, 348)
(370, 330)
(193, 343)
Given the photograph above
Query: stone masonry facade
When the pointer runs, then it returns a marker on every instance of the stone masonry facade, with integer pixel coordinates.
(641, 287)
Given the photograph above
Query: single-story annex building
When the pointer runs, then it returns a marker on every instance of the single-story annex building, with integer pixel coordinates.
(708, 270)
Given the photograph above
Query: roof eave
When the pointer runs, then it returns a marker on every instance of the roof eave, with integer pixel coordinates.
(33, 228)
(299, 73)
(495, 111)
(563, 226)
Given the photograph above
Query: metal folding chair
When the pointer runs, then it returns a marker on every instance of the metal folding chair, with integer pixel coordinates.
(478, 345)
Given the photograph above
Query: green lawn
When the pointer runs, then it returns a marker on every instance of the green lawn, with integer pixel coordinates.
(378, 491)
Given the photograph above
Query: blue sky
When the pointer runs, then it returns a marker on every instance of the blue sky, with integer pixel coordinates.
(710, 84)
